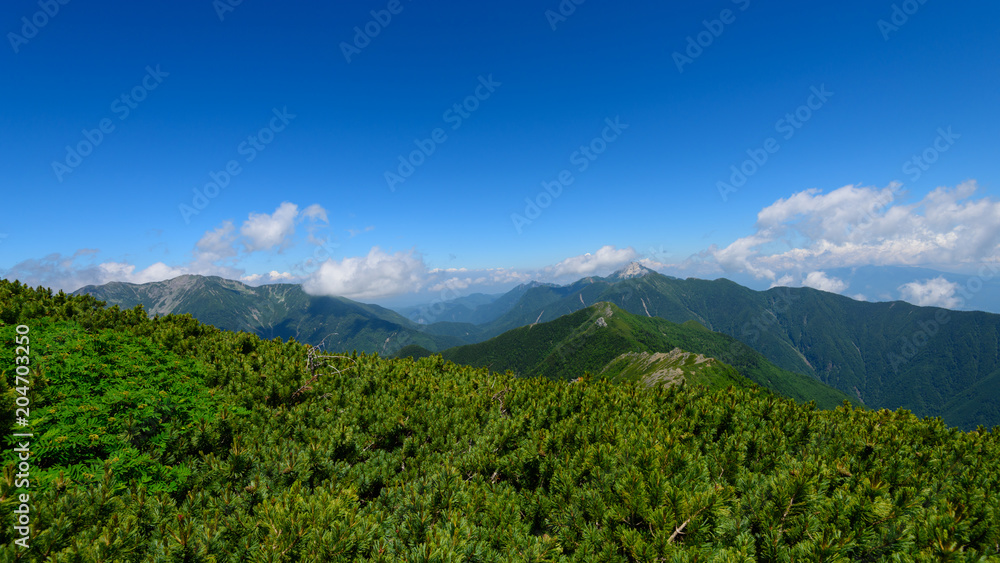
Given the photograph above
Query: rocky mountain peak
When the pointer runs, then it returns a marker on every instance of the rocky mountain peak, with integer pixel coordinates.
(632, 270)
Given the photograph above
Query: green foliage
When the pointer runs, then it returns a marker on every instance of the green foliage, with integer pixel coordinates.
(883, 355)
(573, 344)
(305, 457)
(931, 361)
(413, 351)
(108, 395)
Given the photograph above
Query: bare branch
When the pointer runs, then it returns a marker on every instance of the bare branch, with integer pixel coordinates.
(680, 528)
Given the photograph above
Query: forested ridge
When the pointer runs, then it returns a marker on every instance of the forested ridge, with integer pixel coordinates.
(932, 361)
(168, 440)
(591, 338)
(929, 360)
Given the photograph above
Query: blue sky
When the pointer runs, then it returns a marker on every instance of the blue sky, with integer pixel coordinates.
(645, 107)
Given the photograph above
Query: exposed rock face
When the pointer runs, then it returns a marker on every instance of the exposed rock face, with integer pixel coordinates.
(601, 322)
(664, 368)
(633, 270)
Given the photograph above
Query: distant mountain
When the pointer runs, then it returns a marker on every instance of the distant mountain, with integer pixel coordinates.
(462, 309)
(270, 311)
(882, 283)
(475, 309)
(604, 339)
(633, 270)
(932, 361)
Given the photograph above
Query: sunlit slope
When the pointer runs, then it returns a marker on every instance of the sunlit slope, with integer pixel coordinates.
(590, 339)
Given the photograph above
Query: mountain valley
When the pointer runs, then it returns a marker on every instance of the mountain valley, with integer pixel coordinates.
(935, 362)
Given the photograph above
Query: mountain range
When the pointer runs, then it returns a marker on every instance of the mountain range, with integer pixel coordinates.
(274, 311)
(605, 340)
(932, 361)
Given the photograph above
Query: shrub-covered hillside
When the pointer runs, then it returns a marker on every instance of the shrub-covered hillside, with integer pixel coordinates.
(593, 338)
(167, 440)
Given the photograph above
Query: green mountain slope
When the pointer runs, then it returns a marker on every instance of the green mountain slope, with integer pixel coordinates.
(169, 440)
(671, 368)
(591, 339)
(885, 355)
(278, 310)
(892, 355)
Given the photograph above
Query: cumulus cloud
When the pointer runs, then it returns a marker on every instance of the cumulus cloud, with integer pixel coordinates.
(218, 244)
(273, 276)
(316, 213)
(504, 275)
(819, 280)
(356, 232)
(67, 273)
(216, 253)
(118, 271)
(937, 292)
(853, 226)
(784, 281)
(454, 284)
(607, 257)
(264, 232)
(742, 256)
(377, 275)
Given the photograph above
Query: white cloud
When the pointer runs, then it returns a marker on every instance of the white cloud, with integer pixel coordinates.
(214, 254)
(356, 232)
(607, 257)
(377, 275)
(316, 213)
(784, 281)
(504, 276)
(118, 271)
(271, 277)
(742, 256)
(854, 226)
(280, 276)
(264, 232)
(831, 217)
(218, 244)
(454, 284)
(819, 280)
(59, 272)
(937, 292)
